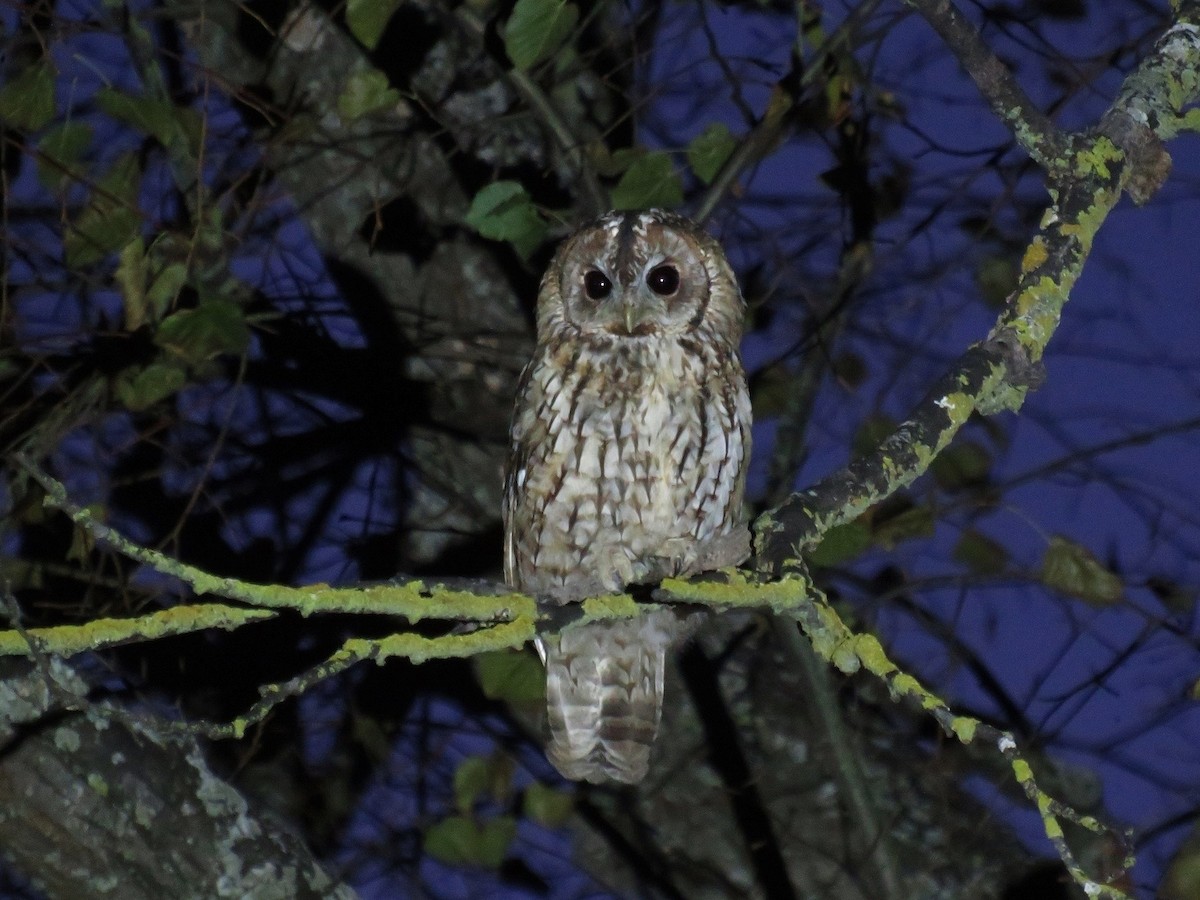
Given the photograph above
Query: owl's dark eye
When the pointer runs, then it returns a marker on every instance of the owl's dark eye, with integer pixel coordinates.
(596, 285)
(663, 280)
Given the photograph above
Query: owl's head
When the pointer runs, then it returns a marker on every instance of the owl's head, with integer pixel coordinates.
(638, 274)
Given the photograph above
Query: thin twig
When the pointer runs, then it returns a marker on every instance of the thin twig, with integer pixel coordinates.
(1039, 137)
(851, 774)
(544, 108)
(764, 136)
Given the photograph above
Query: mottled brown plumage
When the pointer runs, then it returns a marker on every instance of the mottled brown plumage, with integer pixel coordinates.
(629, 446)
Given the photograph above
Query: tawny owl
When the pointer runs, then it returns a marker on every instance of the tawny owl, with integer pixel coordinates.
(628, 462)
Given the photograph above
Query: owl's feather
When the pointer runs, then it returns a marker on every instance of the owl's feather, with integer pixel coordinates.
(629, 444)
(604, 693)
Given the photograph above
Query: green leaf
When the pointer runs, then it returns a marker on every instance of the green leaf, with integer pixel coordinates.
(453, 840)
(850, 369)
(963, 465)
(503, 211)
(153, 117)
(546, 805)
(872, 432)
(212, 328)
(980, 553)
(61, 148)
(709, 150)
(1072, 569)
(771, 390)
(996, 277)
(366, 92)
(650, 182)
(83, 542)
(914, 522)
(536, 29)
(131, 278)
(471, 779)
(110, 220)
(512, 675)
(147, 302)
(164, 288)
(140, 388)
(460, 841)
(607, 162)
(841, 543)
(27, 102)
(367, 19)
(495, 839)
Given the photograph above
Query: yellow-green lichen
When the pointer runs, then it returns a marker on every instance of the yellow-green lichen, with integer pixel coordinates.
(964, 728)
(998, 393)
(958, 407)
(1038, 307)
(68, 640)
(832, 640)
(97, 783)
(1021, 771)
(1087, 223)
(1093, 160)
(418, 648)
(1035, 254)
(904, 685)
(737, 590)
(609, 606)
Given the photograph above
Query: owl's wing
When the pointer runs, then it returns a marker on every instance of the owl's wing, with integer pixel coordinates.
(604, 693)
(514, 472)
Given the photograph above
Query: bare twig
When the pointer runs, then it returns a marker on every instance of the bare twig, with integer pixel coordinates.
(851, 775)
(765, 135)
(543, 107)
(1039, 137)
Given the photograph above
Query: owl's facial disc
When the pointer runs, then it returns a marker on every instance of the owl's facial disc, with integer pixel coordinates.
(637, 301)
(633, 276)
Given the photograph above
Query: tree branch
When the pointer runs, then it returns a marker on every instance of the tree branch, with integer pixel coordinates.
(543, 107)
(769, 130)
(1036, 134)
(1123, 153)
(151, 817)
(997, 373)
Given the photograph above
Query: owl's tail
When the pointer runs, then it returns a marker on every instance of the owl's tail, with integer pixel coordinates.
(604, 695)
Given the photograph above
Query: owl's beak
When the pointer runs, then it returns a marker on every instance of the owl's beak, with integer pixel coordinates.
(637, 318)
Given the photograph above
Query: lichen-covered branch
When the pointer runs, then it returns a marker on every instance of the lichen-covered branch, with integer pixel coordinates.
(1086, 175)
(413, 599)
(99, 634)
(1085, 184)
(1036, 134)
(796, 596)
(125, 798)
(792, 595)
(983, 374)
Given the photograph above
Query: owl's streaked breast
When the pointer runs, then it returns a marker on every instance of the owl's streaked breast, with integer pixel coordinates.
(637, 460)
